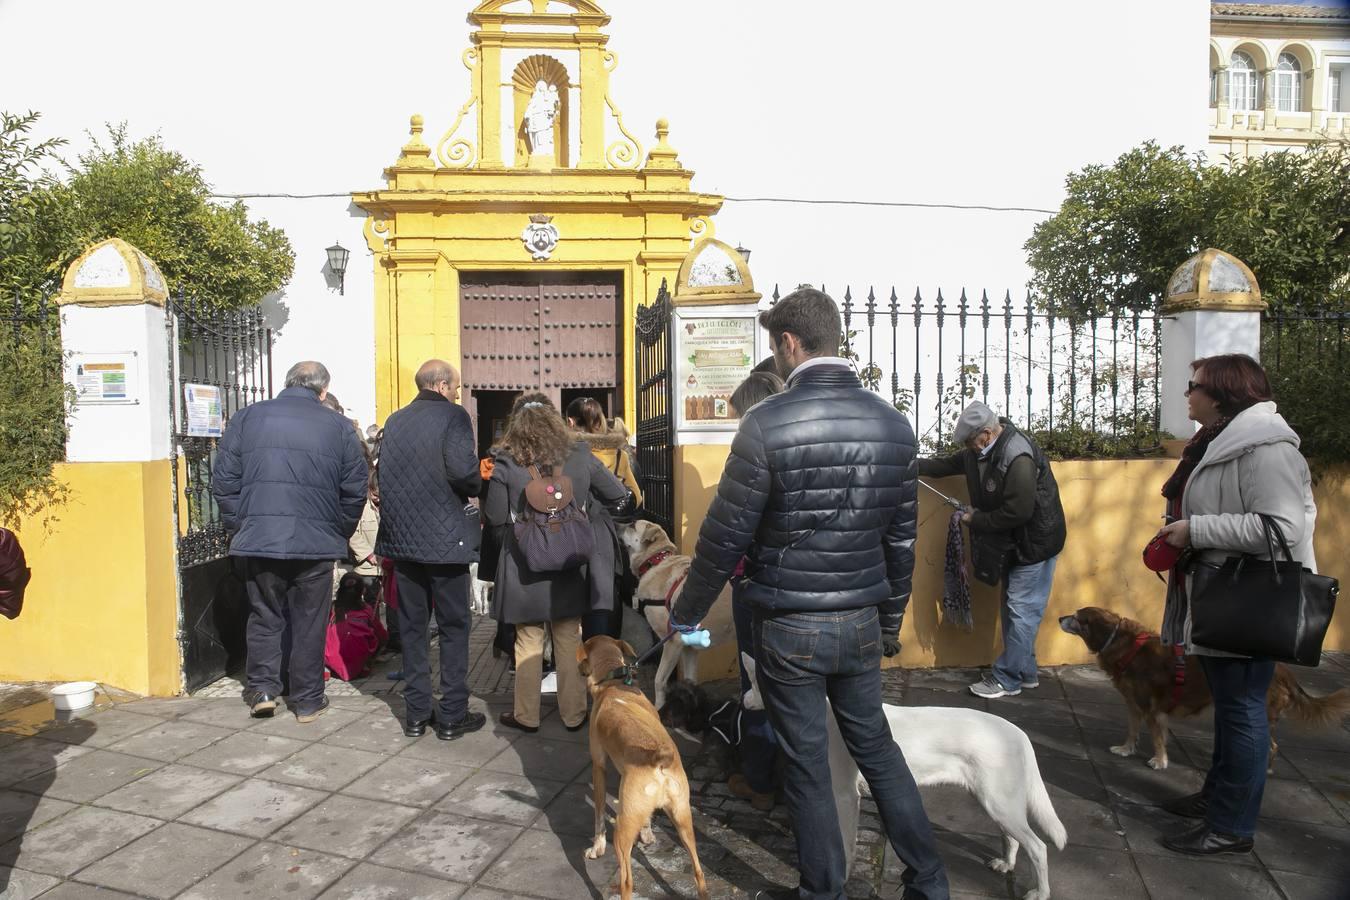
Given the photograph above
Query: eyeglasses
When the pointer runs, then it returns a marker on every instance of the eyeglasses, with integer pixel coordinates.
(1194, 386)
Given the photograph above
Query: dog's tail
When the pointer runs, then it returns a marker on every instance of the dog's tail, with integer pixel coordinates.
(1318, 712)
(1042, 811)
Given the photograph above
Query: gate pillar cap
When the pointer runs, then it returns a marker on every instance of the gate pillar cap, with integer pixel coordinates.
(113, 273)
(714, 273)
(1213, 279)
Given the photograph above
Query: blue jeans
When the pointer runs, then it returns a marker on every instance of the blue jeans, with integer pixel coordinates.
(759, 747)
(1237, 772)
(805, 658)
(1026, 590)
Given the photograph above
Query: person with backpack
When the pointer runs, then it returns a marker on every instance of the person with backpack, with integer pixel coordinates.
(543, 485)
(587, 418)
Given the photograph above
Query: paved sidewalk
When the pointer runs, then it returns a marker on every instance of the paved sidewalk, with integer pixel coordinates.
(191, 798)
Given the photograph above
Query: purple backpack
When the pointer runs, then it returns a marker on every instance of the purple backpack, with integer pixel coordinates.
(552, 531)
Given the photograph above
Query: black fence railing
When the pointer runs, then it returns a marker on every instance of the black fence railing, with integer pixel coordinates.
(656, 409)
(225, 356)
(1087, 385)
(33, 324)
(1307, 356)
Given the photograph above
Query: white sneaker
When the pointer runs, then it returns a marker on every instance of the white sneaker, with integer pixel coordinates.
(990, 689)
(1031, 685)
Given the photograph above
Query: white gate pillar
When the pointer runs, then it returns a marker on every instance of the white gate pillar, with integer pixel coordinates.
(1212, 306)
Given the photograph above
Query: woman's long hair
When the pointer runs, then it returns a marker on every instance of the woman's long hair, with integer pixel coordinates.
(588, 415)
(535, 434)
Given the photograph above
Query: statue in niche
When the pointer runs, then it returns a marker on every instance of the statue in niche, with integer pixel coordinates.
(540, 115)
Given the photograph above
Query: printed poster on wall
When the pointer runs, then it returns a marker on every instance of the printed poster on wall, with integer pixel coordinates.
(204, 418)
(104, 378)
(713, 356)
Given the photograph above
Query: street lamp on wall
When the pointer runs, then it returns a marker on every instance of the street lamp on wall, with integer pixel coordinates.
(744, 252)
(337, 261)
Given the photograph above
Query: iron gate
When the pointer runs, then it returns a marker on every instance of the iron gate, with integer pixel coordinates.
(225, 359)
(655, 410)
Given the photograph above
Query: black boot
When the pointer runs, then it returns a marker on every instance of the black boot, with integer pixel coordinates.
(1203, 841)
(1192, 806)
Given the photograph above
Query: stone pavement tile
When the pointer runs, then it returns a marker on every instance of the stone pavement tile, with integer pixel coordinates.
(965, 859)
(1053, 742)
(109, 726)
(1087, 872)
(1099, 744)
(1327, 772)
(33, 756)
(347, 826)
(163, 707)
(1201, 751)
(447, 846)
(244, 754)
(1109, 716)
(1087, 683)
(513, 799)
(551, 728)
(1310, 887)
(165, 861)
(482, 893)
(1200, 879)
(284, 724)
(1298, 801)
(1075, 778)
(171, 741)
(1145, 825)
(77, 839)
(416, 782)
(1089, 823)
(1034, 706)
(1328, 738)
(73, 890)
(1130, 779)
(255, 808)
(17, 884)
(378, 732)
(323, 767)
(1321, 850)
(269, 871)
(551, 865)
(470, 750)
(367, 882)
(533, 756)
(232, 714)
(572, 812)
(90, 776)
(169, 792)
(961, 698)
(20, 812)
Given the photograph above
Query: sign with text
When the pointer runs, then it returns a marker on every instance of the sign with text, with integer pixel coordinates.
(104, 378)
(713, 355)
(204, 418)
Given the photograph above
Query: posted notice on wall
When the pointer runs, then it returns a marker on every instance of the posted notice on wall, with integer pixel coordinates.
(712, 357)
(204, 418)
(104, 378)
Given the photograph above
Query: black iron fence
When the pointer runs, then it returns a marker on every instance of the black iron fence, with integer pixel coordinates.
(1307, 356)
(33, 325)
(222, 362)
(1087, 385)
(656, 409)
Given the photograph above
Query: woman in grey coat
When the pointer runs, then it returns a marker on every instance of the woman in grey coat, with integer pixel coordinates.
(1243, 463)
(548, 602)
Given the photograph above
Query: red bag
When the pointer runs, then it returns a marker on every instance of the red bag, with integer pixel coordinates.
(1160, 556)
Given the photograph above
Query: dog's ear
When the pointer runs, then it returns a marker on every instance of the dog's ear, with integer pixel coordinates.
(627, 649)
(583, 661)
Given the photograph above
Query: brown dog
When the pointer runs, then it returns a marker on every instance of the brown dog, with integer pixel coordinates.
(1144, 671)
(626, 728)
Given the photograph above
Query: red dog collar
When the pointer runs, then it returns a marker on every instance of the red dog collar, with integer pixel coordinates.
(654, 562)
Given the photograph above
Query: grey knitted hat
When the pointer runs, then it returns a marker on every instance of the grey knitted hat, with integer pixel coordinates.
(974, 418)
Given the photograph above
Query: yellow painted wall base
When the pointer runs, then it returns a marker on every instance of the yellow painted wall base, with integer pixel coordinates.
(103, 603)
(1113, 508)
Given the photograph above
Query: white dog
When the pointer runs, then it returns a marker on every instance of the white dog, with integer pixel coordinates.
(988, 756)
(661, 573)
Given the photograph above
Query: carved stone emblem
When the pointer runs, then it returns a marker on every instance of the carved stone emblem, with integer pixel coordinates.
(540, 236)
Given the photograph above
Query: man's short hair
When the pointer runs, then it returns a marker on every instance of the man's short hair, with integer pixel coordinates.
(809, 314)
(308, 374)
(432, 373)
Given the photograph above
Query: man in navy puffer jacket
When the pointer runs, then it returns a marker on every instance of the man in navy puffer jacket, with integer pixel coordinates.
(820, 495)
(290, 482)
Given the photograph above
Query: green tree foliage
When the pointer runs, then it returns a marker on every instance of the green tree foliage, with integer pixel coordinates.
(1124, 228)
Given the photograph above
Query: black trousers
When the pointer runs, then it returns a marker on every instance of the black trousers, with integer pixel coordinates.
(290, 601)
(444, 590)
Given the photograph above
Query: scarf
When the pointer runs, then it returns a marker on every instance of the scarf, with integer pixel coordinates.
(1191, 454)
(955, 583)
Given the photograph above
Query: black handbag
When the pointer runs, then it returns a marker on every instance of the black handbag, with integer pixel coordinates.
(1267, 608)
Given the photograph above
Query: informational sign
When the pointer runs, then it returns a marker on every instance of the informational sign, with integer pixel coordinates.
(712, 357)
(104, 378)
(204, 417)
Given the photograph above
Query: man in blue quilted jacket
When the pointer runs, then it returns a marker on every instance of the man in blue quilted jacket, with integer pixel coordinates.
(819, 495)
(290, 482)
(428, 470)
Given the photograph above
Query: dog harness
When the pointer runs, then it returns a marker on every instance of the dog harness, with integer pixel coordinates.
(1178, 664)
(653, 562)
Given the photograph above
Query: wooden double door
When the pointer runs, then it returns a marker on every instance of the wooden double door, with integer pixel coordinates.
(559, 334)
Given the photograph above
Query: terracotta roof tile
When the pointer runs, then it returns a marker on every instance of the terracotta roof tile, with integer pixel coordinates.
(1280, 10)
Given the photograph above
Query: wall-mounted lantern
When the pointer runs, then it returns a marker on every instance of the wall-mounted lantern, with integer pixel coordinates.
(337, 261)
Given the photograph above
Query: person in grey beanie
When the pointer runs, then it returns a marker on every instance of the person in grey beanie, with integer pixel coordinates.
(1017, 530)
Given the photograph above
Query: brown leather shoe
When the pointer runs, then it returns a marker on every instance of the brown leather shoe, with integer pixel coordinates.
(510, 721)
(740, 787)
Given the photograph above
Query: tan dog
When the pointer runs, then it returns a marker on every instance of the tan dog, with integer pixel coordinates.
(661, 572)
(625, 727)
(1145, 675)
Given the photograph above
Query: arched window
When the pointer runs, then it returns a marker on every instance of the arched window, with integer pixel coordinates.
(1243, 80)
(1288, 84)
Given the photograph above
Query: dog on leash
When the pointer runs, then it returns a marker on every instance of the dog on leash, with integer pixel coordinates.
(661, 573)
(1158, 684)
(988, 756)
(625, 728)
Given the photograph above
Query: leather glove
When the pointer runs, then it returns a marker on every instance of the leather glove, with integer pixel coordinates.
(890, 643)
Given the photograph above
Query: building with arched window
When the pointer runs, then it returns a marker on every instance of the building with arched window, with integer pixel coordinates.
(1275, 76)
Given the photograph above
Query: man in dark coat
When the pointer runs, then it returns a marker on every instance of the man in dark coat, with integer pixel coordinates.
(290, 482)
(1016, 532)
(428, 471)
(819, 495)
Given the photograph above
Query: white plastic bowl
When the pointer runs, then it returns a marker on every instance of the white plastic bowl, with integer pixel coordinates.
(74, 695)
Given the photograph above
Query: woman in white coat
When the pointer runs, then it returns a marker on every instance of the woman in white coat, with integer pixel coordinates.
(1243, 463)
